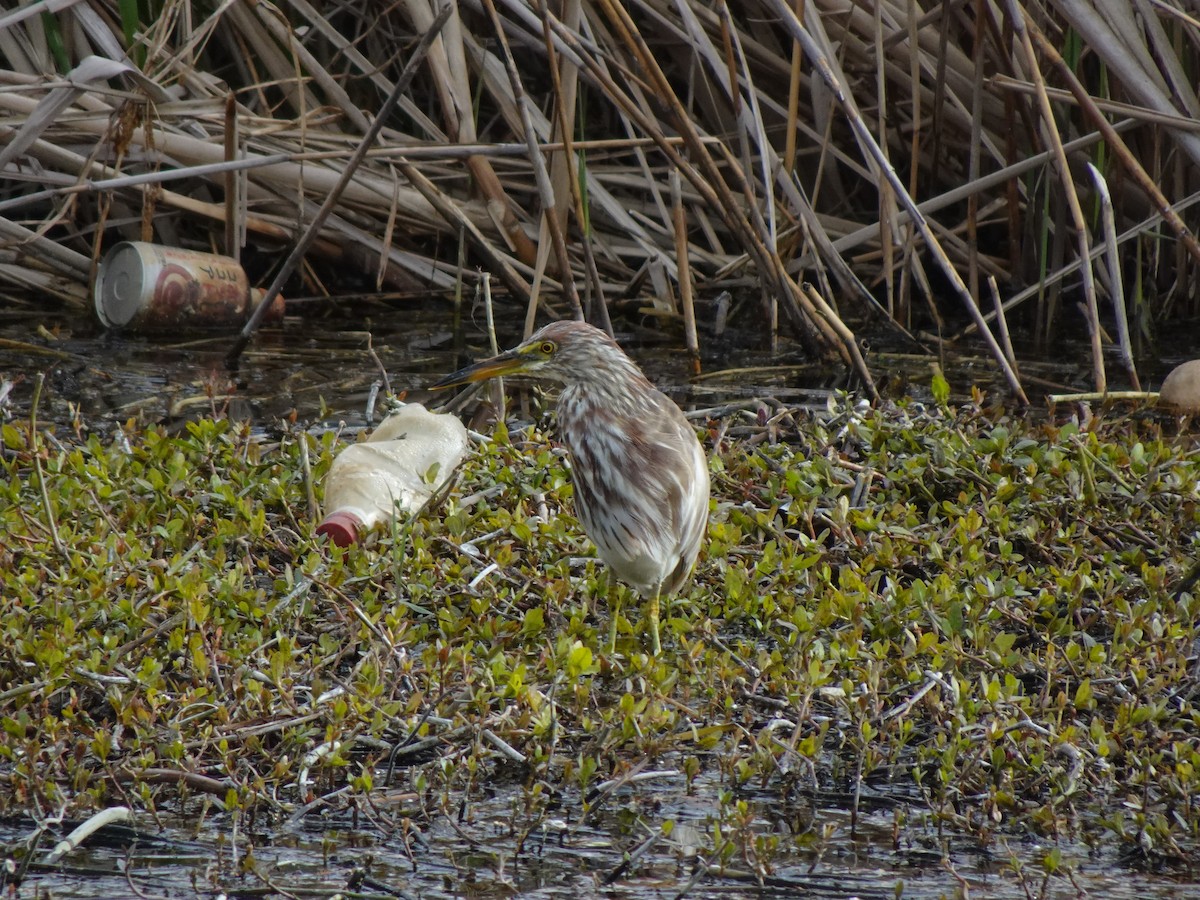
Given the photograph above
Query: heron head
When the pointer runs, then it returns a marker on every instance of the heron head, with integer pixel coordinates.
(565, 352)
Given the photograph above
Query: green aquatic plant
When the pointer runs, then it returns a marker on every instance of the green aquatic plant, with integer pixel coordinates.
(948, 619)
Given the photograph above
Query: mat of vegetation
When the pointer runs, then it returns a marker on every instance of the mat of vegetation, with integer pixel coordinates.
(979, 624)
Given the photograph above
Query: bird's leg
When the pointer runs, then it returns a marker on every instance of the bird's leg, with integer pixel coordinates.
(652, 615)
(591, 602)
(614, 613)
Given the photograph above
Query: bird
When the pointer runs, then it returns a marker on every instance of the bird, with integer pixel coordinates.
(639, 471)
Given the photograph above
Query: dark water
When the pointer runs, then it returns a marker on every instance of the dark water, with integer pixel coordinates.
(494, 848)
(312, 368)
(328, 366)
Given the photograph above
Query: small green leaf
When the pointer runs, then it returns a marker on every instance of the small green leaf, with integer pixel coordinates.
(533, 622)
(940, 388)
(579, 660)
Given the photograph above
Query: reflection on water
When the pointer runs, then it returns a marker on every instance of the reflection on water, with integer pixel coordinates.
(314, 369)
(309, 369)
(328, 368)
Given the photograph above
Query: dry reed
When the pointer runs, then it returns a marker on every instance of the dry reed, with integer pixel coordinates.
(837, 160)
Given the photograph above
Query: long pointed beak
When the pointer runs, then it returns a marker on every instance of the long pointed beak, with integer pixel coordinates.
(504, 364)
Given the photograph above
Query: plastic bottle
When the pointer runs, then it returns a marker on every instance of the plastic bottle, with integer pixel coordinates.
(393, 471)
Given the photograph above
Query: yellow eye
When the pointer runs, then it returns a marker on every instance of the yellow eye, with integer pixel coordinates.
(547, 347)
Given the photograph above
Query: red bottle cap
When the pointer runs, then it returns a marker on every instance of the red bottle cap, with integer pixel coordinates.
(342, 526)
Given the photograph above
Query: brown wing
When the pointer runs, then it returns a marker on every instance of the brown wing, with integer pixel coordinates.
(641, 487)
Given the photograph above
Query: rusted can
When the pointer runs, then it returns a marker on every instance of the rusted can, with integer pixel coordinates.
(150, 287)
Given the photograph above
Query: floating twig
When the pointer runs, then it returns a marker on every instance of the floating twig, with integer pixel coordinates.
(75, 839)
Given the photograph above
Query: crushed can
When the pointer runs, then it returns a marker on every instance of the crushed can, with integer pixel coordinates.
(149, 287)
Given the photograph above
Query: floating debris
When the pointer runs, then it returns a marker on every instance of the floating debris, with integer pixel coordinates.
(1181, 388)
(149, 287)
(401, 467)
